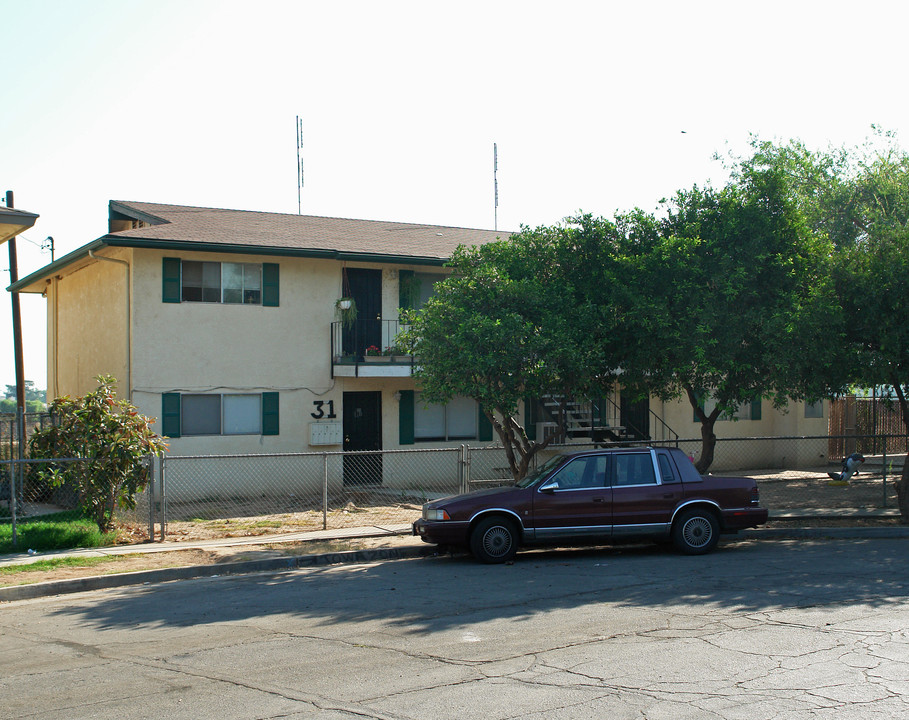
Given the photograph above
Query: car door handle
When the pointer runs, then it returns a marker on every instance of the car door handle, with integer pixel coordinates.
(669, 496)
(598, 499)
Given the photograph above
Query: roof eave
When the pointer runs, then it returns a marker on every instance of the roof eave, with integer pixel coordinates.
(23, 284)
(27, 284)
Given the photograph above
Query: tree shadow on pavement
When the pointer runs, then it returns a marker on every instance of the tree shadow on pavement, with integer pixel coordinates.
(442, 592)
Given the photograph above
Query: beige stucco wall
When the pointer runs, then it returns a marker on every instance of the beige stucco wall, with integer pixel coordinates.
(87, 327)
(213, 347)
(747, 454)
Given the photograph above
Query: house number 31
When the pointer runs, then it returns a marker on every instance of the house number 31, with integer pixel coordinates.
(320, 409)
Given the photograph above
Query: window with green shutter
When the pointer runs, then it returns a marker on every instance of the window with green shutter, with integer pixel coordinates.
(199, 414)
(229, 283)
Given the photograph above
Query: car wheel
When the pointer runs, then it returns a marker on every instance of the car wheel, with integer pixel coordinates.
(494, 540)
(695, 532)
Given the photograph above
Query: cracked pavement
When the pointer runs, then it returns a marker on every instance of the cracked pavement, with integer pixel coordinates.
(776, 630)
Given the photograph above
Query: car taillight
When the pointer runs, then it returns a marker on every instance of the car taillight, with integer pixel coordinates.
(755, 496)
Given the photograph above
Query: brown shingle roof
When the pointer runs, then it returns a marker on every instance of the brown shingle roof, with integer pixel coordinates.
(232, 229)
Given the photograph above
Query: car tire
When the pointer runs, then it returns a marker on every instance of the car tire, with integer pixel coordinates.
(494, 540)
(695, 532)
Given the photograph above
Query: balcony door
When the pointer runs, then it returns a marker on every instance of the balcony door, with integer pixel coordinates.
(365, 287)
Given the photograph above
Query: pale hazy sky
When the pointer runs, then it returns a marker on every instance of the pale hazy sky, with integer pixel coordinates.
(194, 102)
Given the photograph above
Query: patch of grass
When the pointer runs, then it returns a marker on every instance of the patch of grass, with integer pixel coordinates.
(56, 563)
(58, 531)
(18, 574)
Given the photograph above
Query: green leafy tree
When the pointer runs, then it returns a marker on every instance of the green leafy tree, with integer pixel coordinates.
(506, 327)
(857, 199)
(112, 441)
(732, 289)
(35, 399)
(873, 281)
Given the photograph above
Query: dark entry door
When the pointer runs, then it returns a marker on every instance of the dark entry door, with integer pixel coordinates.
(365, 287)
(635, 418)
(362, 424)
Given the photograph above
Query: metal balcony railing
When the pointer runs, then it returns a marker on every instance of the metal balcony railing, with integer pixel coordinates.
(367, 342)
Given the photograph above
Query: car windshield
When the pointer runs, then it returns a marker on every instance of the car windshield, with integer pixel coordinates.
(544, 469)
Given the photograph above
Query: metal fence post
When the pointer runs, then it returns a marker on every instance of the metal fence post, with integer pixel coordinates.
(884, 470)
(163, 497)
(325, 491)
(16, 470)
(151, 498)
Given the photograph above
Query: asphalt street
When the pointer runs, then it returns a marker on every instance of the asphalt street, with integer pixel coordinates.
(759, 629)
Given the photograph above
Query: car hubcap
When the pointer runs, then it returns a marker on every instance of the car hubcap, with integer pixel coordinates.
(697, 532)
(497, 541)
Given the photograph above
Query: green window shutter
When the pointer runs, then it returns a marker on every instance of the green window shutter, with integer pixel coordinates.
(756, 409)
(171, 281)
(405, 289)
(699, 397)
(271, 291)
(406, 418)
(484, 426)
(270, 424)
(170, 415)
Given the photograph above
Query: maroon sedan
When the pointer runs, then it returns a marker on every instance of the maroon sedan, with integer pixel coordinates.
(597, 496)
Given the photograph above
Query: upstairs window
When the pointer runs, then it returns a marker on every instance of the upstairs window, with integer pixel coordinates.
(220, 282)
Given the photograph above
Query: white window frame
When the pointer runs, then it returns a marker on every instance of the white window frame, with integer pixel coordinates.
(451, 418)
(228, 422)
(250, 287)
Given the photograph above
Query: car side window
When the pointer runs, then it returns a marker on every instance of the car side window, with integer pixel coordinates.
(633, 469)
(589, 472)
(666, 473)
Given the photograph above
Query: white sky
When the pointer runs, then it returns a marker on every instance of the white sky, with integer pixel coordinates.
(194, 102)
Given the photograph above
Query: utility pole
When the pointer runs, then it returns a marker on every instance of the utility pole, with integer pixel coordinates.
(12, 222)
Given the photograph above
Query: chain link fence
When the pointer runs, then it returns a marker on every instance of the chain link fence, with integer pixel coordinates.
(199, 497)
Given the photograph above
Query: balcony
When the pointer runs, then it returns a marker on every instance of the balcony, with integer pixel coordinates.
(365, 350)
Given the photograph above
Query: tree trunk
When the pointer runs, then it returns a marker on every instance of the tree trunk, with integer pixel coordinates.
(519, 449)
(708, 438)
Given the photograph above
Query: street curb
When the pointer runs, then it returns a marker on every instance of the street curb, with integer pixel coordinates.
(824, 533)
(144, 577)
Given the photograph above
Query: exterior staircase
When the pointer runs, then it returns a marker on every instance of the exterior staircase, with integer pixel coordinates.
(601, 421)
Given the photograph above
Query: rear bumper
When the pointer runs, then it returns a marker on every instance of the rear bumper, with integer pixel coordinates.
(742, 518)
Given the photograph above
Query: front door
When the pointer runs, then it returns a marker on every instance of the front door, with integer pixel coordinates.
(362, 424)
(365, 287)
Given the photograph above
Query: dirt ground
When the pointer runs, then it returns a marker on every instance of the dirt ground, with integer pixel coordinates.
(137, 562)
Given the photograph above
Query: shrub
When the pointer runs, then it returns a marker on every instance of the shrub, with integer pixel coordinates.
(112, 442)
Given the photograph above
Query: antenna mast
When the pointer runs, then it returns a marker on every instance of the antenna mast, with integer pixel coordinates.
(299, 166)
(495, 183)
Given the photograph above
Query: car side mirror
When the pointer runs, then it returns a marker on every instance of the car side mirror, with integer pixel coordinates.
(549, 487)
